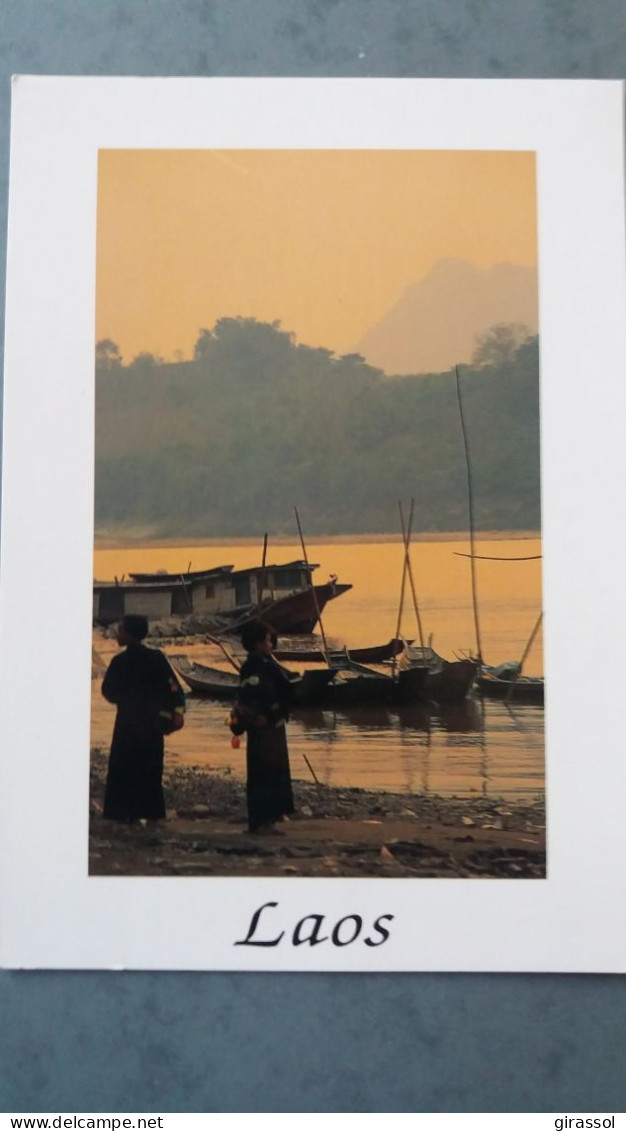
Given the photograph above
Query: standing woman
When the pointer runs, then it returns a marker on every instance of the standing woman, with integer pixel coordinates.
(150, 703)
(263, 707)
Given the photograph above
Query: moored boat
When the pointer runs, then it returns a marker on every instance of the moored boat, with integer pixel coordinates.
(280, 594)
(299, 612)
(355, 683)
(213, 683)
(205, 680)
(453, 683)
(445, 681)
(514, 688)
(377, 654)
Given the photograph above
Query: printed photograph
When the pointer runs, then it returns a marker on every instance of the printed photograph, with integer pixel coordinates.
(317, 596)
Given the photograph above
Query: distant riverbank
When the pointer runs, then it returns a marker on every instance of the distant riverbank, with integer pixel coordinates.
(147, 539)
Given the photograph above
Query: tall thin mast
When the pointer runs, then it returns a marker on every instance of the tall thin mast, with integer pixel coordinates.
(262, 578)
(403, 583)
(406, 535)
(529, 645)
(470, 495)
(313, 593)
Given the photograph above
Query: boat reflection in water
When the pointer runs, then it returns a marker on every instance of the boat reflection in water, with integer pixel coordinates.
(463, 749)
(367, 716)
(462, 718)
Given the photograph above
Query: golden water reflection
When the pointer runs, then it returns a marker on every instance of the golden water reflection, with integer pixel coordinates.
(464, 751)
(478, 747)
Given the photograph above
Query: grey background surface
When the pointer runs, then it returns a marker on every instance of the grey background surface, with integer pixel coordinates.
(103, 1042)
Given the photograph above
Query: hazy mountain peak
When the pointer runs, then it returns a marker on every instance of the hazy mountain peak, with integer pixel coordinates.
(435, 322)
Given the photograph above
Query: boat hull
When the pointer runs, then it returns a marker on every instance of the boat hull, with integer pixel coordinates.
(447, 681)
(453, 683)
(203, 680)
(297, 614)
(354, 684)
(377, 654)
(523, 690)
(212, 683)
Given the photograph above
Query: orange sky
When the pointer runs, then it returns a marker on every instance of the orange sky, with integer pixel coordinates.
(324, 241)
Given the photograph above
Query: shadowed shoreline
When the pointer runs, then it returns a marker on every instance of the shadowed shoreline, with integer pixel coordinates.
(335, 832)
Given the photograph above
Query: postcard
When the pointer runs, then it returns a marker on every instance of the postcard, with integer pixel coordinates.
(311, 525)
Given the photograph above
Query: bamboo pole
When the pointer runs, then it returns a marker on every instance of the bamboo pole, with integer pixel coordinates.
(409, 568)
(525, 655)
(231, 659)
(470, 494)
(490, 558)
(402, 586)
(315, 777)
(187, 594)
(530, 640)
(313, 593)
(262, 582)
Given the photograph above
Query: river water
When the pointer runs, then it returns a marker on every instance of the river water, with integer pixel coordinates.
(482, 747)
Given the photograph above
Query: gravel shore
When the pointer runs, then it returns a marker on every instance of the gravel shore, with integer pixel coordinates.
(335, 832)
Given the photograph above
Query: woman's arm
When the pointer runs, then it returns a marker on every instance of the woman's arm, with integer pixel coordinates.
(112, 684)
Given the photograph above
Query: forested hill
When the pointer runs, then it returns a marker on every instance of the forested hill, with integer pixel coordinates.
(228, 443)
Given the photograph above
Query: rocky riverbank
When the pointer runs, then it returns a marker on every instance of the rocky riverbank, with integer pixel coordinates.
(335, 832)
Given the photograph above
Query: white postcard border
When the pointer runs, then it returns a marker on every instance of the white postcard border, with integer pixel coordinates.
(52, 913)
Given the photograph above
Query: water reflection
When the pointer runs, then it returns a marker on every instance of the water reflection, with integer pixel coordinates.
(462, 717)
(469, 749)
(413, 716)
(473, 747)
(477, 747)
(311, 719)
(366, 717)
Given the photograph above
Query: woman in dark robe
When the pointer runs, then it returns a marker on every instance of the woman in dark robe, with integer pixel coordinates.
(263, 708)
(150, 703)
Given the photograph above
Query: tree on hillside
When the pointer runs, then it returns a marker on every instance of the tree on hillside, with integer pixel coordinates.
(353, 358)
(499, 344)
(355, 365)
(239, 331)
(228, 442)
(108, 354)
(144, 362)
(203, 344)
(527, 356)
(248, 349)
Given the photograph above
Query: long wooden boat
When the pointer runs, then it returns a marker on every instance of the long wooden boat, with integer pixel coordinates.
(524, 689)
(205, 680)
(213, 683)
(351, 686)
(446, 681)
(219, 598)
(345, 683)
(355, 683)
(377, 654)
